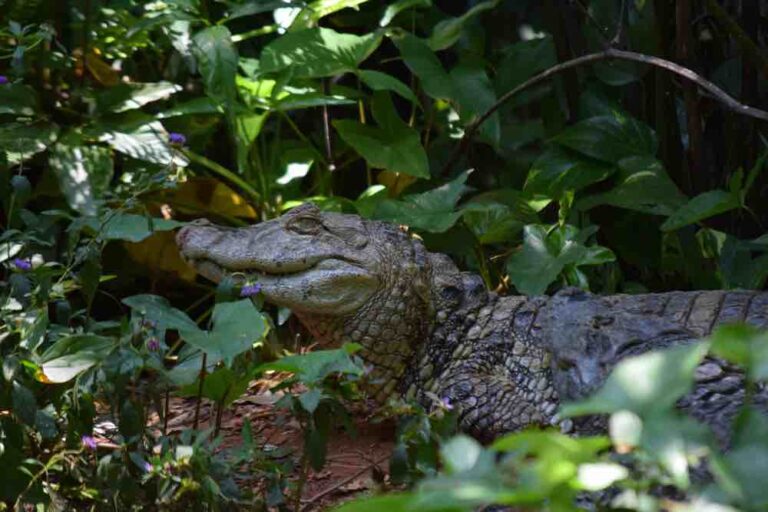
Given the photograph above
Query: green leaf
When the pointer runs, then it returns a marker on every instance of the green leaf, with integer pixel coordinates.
(217, 60)
(379, 81)
(72, 355)
(312, 13)
(546, 254)
(192, 107)
(395, 502)
(460, 454)
(741, 470)
(237, 326)
(20, 141)
(447, 32)
(645, 384)
(475, 95)
(24, 404)
(147, 141)
(558, 171)
(159, 309)
(432, 211)
(223, 386)
(396, 8)
(84, 173)
(393, 145)
(124, 97)
(317, 52)
(130, 226)
(314, 367)
(609, 138)
(423, 63)
(18, 99)
(310, 399)
(494, 222)
(701, 207)
(642, 185)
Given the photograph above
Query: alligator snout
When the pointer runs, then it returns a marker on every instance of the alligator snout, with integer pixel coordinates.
(183, 235)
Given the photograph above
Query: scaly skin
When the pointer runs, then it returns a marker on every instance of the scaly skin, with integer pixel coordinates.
(433, 332)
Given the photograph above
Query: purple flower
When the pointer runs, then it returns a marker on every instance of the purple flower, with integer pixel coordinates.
(177, 139)
(249, 290)
(22, 264)
(88, 442)
(3, 79)
(446, 403)
(153, 344)
(147, 467)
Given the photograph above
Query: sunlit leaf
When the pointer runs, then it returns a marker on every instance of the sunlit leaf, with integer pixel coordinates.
(317, 52)
(84, 173)
(433, 211)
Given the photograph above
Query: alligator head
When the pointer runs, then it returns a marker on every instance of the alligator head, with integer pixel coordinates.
(347, 279)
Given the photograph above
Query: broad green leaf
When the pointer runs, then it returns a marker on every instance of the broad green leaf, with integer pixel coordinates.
(742, 469)
(20, 142)
(395, 8)
(395, 502)
(309, 100)
(595, 476)
(379, 81)
(496, 223)
(147, 142)
(124, 97)
(310, 400)
(423, 63)
(317, 52)
(701, 207)
(609, 138)
(24, 404)
(474, 94)
(545, 254)
(99, 346)
(72, 355)
(84, 173)
(18, 99)
(432, 211)
(393, 145)
(160, 310)
(130, 226)
(559, 170)
(460, 454)
(645, 384)
(315, 11)
(237, 326)
(223, 386)
(217, 60)
(673, 440)
(314, 367)
(642, 185)
(447, 32)
(191, 107)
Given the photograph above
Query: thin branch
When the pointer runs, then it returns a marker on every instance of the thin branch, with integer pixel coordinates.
(610, 53)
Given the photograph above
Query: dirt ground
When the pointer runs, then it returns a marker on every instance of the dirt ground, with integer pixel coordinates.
(355, 463)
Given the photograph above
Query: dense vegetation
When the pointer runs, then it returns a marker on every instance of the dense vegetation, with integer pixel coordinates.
(121, 119)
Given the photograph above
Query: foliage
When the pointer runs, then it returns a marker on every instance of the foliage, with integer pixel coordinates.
(119, 120)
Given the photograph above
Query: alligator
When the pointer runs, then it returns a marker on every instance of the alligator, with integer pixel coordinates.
(434, 333)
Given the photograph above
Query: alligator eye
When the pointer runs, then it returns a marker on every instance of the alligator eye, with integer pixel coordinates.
(565, 364)
(305, 225)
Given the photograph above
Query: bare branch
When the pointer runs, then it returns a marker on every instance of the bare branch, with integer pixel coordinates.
(608, 54)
